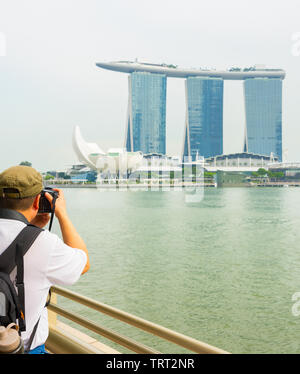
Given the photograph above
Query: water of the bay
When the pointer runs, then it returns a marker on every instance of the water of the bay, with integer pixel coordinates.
(222, 271)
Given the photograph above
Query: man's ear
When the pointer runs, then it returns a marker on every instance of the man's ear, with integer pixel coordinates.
(36, 202)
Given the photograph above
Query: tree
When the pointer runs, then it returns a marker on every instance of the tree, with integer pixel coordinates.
(276, 174)
(209, 174)
(25, 163)
(261, 172)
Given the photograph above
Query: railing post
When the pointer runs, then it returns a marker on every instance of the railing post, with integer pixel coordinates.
(52, 316)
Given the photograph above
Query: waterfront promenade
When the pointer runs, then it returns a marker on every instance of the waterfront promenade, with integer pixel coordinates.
(157, 185)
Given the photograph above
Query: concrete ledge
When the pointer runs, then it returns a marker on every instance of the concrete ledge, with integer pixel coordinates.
(85, 339)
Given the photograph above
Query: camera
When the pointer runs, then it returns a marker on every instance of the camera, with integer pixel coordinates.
(45, 206)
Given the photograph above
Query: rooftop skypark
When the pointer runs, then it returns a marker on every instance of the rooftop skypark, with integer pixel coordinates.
(233, 73)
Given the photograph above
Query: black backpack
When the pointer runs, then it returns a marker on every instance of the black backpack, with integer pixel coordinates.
(12, 303)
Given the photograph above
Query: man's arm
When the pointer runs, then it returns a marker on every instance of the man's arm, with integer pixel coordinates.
(69, 233)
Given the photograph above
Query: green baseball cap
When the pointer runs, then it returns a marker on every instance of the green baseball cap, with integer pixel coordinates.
(18, 182)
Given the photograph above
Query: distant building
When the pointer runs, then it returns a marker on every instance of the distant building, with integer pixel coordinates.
(77, 168)
(291, 170)
(232, 178)
(238, 161)
(174, 160)
(80, 172)
(115, 162)
(204, 117)
(263, 105)
(178, 72)
(203, 134)
(146, 123)
(156, 165)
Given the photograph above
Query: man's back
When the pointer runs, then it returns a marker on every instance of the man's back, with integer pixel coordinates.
(49, 261)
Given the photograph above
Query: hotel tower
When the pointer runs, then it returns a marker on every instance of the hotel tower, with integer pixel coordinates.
(203, 128)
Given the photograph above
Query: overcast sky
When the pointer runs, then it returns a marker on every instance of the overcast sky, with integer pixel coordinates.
(49, 82)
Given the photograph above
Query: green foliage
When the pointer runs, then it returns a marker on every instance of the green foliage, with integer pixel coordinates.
(276, 175)
(25, 163)
(260, 173)
(209, 174)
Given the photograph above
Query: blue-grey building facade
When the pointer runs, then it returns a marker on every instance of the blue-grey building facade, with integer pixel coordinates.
(146, 124)
(204, 117)
(263, 108)
(203, 135)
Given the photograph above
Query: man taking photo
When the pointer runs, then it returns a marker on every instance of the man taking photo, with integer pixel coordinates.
(50, 260)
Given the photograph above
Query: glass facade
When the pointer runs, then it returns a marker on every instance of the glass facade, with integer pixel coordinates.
(146, 125)
(204, 119)
(263, 105)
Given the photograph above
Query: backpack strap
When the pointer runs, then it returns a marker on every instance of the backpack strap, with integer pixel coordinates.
(23, 241)
(36, 325)
(13, 256)
(13, 214)
(32, 336)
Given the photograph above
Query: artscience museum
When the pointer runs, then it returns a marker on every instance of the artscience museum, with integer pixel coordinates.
(116, 162)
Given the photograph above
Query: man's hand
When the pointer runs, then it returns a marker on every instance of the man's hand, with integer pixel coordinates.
(60, 203)
(41, 220)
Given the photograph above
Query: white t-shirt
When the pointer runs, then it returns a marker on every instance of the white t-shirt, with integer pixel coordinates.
(48, 262)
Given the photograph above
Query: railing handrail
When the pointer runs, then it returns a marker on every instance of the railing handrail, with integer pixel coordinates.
(107, 333)
(153, 328)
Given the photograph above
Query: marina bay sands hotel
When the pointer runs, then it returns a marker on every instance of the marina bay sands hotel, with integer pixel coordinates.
(203, 135)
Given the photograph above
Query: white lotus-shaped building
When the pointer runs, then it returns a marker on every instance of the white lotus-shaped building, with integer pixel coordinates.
(115, 161)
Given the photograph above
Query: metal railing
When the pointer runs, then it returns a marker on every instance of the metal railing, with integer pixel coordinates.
(187, 342)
